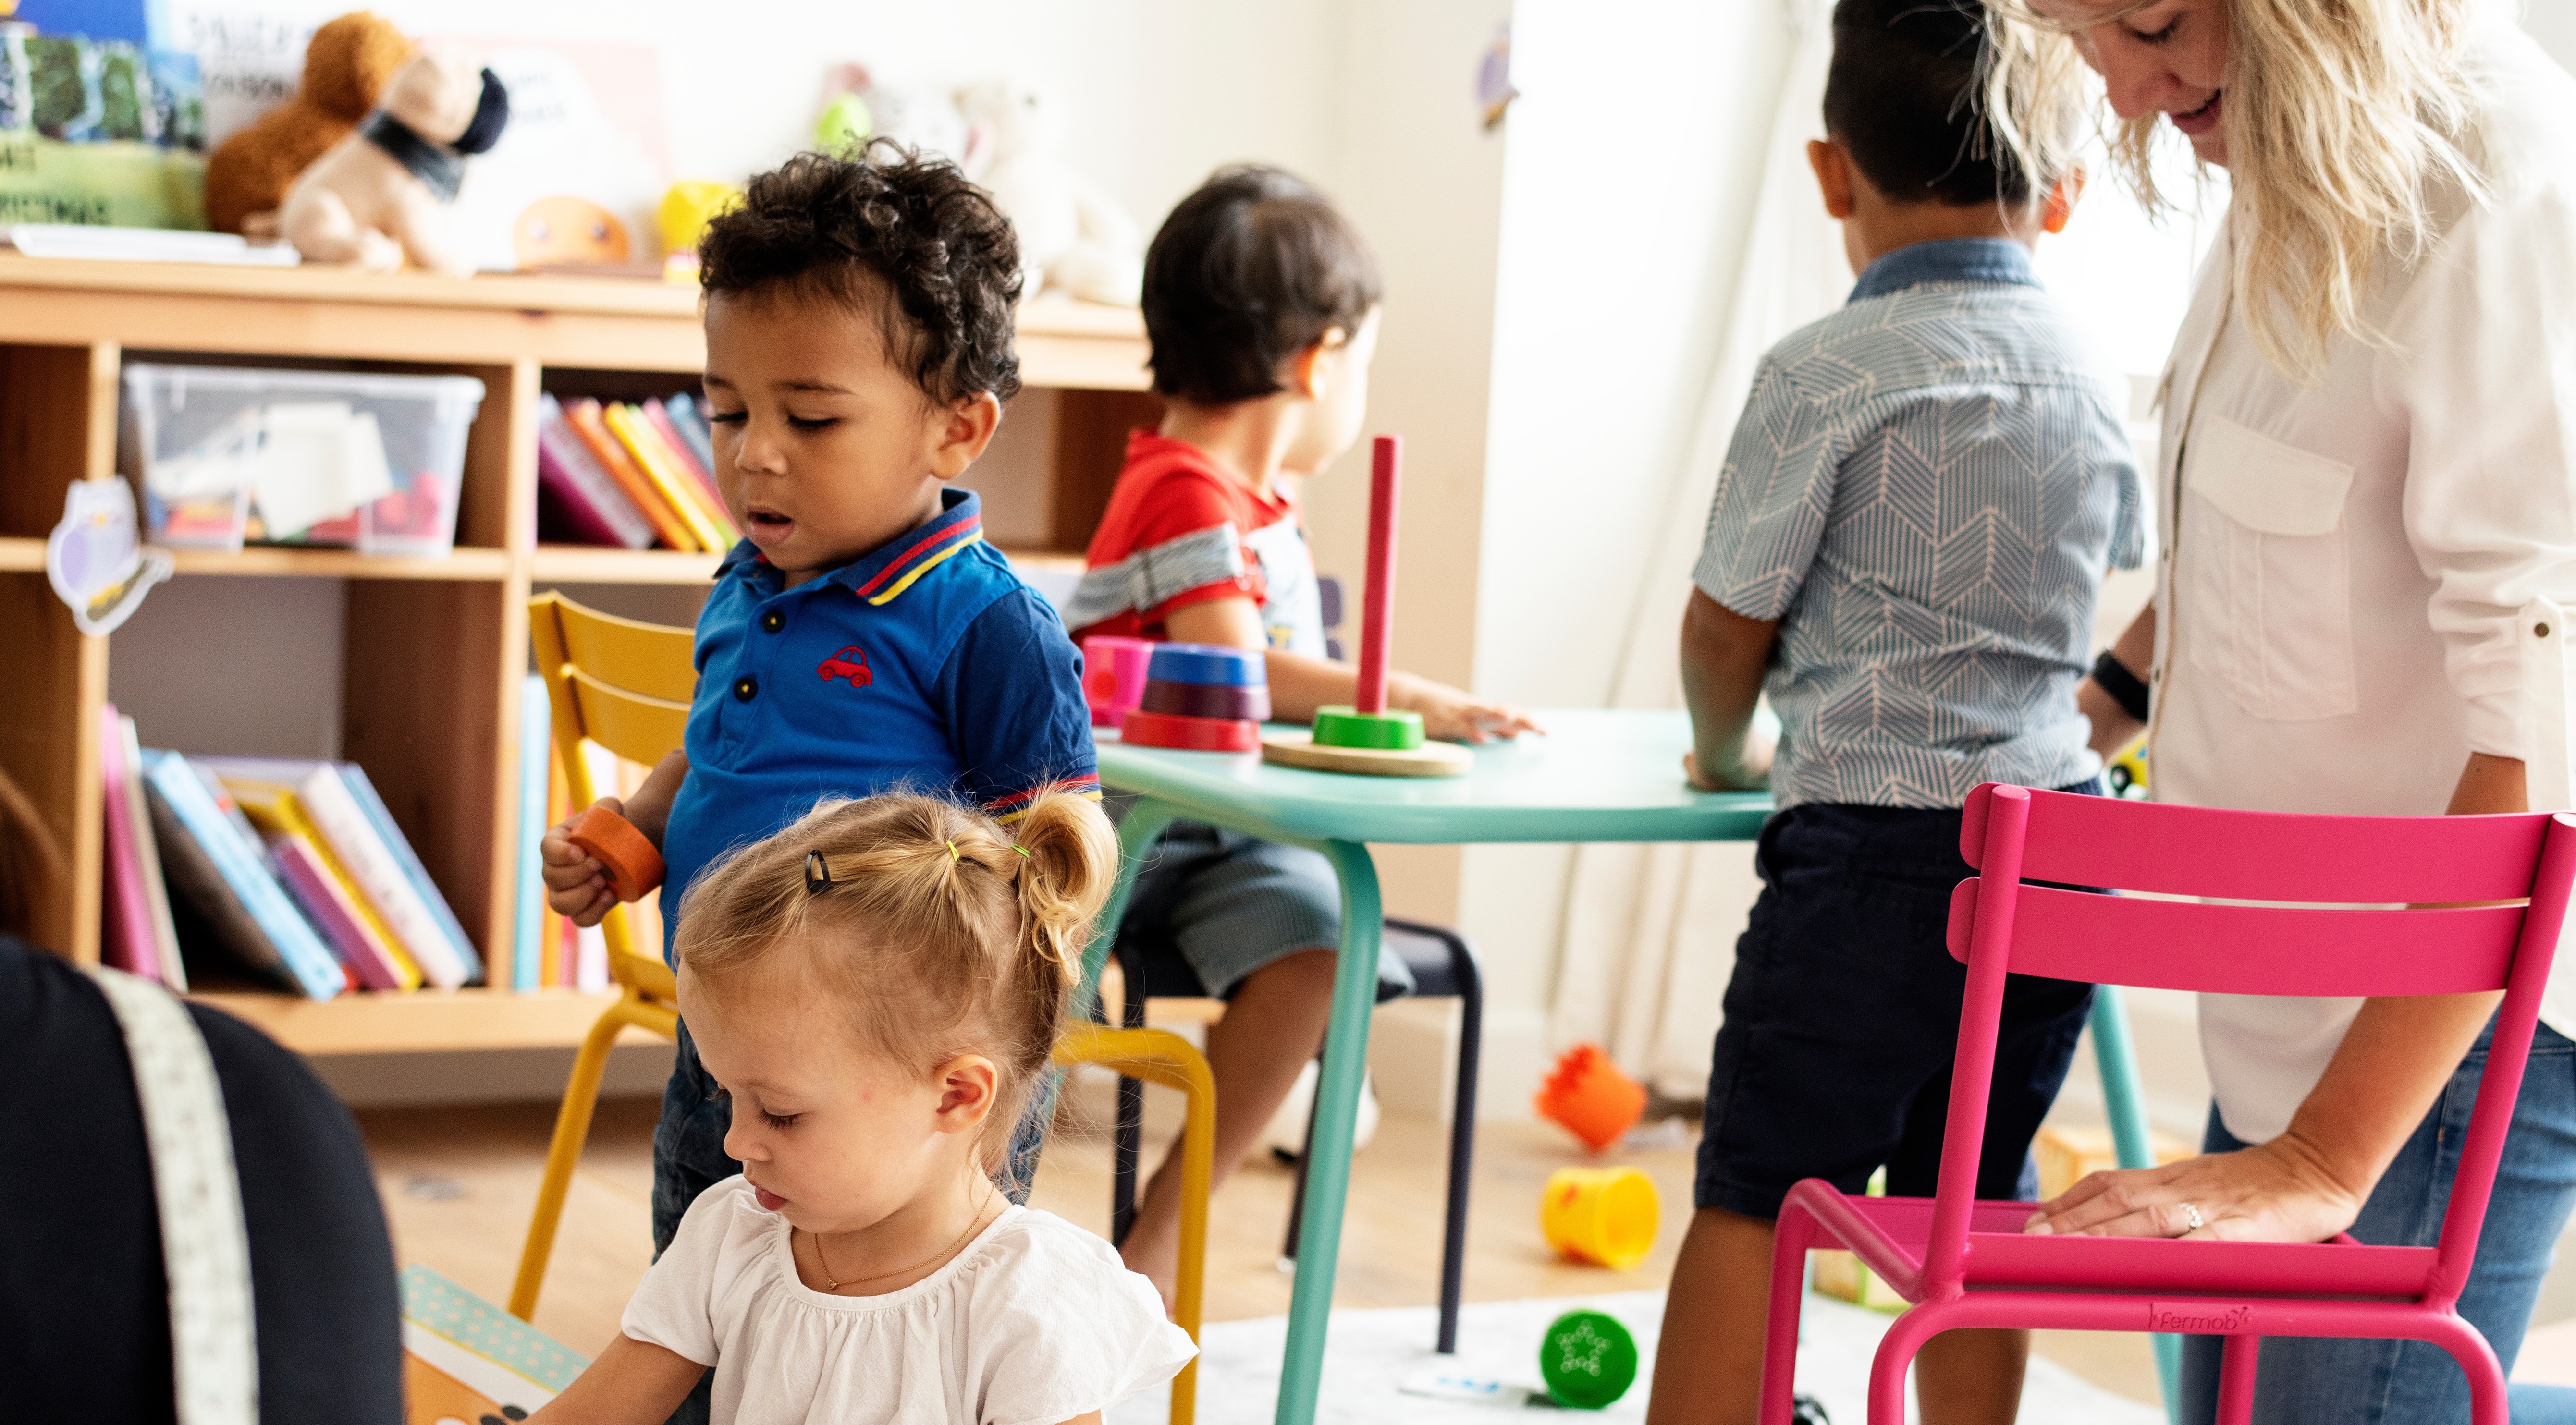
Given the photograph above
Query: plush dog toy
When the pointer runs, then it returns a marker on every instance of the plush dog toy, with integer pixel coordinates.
(347, 65)
(1074, 238)
(379, 197)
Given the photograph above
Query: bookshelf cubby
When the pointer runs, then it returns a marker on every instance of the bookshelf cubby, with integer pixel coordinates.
(438, 734)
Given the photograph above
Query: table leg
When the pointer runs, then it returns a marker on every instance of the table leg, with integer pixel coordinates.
(1336, 1115)
(2124, 1103)
(1145, 821)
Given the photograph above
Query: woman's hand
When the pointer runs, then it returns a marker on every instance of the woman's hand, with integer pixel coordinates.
(2273, 1192)
(1453, 714)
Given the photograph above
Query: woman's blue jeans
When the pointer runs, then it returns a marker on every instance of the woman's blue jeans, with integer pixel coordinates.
(2332, 1381)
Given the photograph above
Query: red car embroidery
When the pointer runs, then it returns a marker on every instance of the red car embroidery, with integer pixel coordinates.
(850, 663)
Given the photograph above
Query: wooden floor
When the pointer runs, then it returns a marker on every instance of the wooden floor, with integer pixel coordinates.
(458, 1185)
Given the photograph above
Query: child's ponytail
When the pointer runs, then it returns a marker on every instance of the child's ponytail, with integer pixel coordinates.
(945, 932)
(1069, 862)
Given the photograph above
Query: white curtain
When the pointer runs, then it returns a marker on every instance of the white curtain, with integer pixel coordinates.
(1650, 931)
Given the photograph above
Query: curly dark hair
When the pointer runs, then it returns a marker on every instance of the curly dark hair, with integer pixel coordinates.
(887, 220)
(1901, 97)
(1249, 270)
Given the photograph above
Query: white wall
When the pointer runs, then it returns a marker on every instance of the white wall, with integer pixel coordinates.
(1630, 169)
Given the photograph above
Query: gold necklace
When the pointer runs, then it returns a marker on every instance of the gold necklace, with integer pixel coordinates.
(832, 1283)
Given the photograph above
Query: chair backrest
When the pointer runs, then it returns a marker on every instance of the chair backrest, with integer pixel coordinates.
(2316, 934)
(625, 685)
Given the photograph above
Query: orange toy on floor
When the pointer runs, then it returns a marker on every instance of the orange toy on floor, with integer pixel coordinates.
(1591, 1097)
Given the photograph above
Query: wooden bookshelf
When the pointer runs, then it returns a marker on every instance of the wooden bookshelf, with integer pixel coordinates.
(439, 737)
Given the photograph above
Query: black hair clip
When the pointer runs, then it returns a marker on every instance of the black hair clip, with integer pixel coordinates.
(818, 873)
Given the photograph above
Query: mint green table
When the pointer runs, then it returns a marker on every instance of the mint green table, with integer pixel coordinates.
(1596, 776)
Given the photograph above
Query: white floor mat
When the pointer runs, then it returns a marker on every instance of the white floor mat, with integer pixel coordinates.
(1370, 1352)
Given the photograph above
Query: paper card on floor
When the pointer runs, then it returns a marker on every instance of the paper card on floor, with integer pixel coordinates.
(466, 1359)
(1454, 1383)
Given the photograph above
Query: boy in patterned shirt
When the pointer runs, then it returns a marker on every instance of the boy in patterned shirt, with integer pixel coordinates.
(1262, 305)
(1907, 542)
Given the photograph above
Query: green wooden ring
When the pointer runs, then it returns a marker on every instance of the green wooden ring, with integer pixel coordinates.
(1382, 732)
(1587, 1359)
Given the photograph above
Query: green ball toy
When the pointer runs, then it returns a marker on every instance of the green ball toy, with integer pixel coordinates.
(1587, 1359)
(846, 123)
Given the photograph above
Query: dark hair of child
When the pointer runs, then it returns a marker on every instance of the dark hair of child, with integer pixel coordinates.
(1251, 269)
(887, 221)
(1902, 98)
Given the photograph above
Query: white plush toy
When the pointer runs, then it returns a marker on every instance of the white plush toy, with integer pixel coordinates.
(1073, 238)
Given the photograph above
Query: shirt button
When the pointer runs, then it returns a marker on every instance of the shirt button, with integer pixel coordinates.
(773, 621)
(744, 689)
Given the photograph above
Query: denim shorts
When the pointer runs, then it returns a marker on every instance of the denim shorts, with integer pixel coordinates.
(1211, 906)
(1842, 1019)
(2318, 1380)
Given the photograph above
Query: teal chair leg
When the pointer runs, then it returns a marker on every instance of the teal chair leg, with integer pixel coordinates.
(2117, 1060)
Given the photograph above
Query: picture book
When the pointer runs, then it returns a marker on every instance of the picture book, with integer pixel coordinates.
(577, 494)
(207, 915)
(677, 487)
(690, 420)
(382, 819)
(125, 937)
(586, 422)
(360, 853)
(147, 857)
(228, 890)
(536, 753)
(658, 416)
(302, 871)
(285, 824)
(466, 1359)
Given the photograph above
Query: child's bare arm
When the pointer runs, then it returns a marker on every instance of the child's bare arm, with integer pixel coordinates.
(632, 1381)
(1724, 655)
(576, 885)
(1299, 684)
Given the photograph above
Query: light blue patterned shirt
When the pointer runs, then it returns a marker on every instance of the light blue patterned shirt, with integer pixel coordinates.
(1925, 488)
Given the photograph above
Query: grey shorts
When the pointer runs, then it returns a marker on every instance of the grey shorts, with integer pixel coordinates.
(1219, 905)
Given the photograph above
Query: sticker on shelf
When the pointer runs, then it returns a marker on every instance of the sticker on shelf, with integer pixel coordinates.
(96, 559)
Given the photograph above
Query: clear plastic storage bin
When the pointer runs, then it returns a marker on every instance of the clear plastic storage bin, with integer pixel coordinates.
(225, 454)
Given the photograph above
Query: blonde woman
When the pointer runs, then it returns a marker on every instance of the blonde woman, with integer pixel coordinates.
(2369, 466)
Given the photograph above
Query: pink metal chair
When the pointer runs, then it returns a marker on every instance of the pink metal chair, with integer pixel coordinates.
(1965, 1263)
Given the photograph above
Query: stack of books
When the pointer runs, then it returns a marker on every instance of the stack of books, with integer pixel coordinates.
(289, 868)
(629, 476)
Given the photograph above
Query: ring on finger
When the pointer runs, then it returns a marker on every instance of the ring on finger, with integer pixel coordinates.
(2192, 1219)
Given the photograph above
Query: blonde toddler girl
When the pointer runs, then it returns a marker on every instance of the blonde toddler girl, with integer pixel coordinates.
(878, 988)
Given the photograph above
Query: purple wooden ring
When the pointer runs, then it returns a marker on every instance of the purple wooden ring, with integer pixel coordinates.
(1239, 704)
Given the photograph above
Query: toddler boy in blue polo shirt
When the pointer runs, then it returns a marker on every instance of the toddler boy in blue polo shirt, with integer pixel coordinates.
(862, 637)
(1907, 542)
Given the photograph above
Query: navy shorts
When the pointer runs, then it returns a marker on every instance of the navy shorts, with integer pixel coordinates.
(1842, 1019)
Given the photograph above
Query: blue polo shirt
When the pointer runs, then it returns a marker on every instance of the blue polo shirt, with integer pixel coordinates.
(925, 665)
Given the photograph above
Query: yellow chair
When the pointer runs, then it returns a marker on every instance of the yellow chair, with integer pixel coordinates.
(626, 686)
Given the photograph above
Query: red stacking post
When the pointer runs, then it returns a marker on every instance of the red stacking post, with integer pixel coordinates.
(1386, 476)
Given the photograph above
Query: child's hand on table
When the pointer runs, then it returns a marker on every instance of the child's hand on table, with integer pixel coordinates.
(1751, 773)
(576, 884)
(1454, 715)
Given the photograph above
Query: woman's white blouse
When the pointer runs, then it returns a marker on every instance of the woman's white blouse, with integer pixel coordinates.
(1035, 1322)
(2340, 594)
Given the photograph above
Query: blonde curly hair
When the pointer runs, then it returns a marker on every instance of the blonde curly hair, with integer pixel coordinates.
(2343, 120)
(943, 933)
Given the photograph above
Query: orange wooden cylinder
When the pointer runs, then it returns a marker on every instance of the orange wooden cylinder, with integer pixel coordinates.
(634, 867)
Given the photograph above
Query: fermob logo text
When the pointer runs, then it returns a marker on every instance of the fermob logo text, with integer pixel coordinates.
(2198, 1318)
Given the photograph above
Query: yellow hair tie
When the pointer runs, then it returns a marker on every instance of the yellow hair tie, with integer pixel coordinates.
(1024, 851)
(952, 851)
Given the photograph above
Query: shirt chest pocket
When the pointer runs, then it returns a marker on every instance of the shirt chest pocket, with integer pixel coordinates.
(2267, 588)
